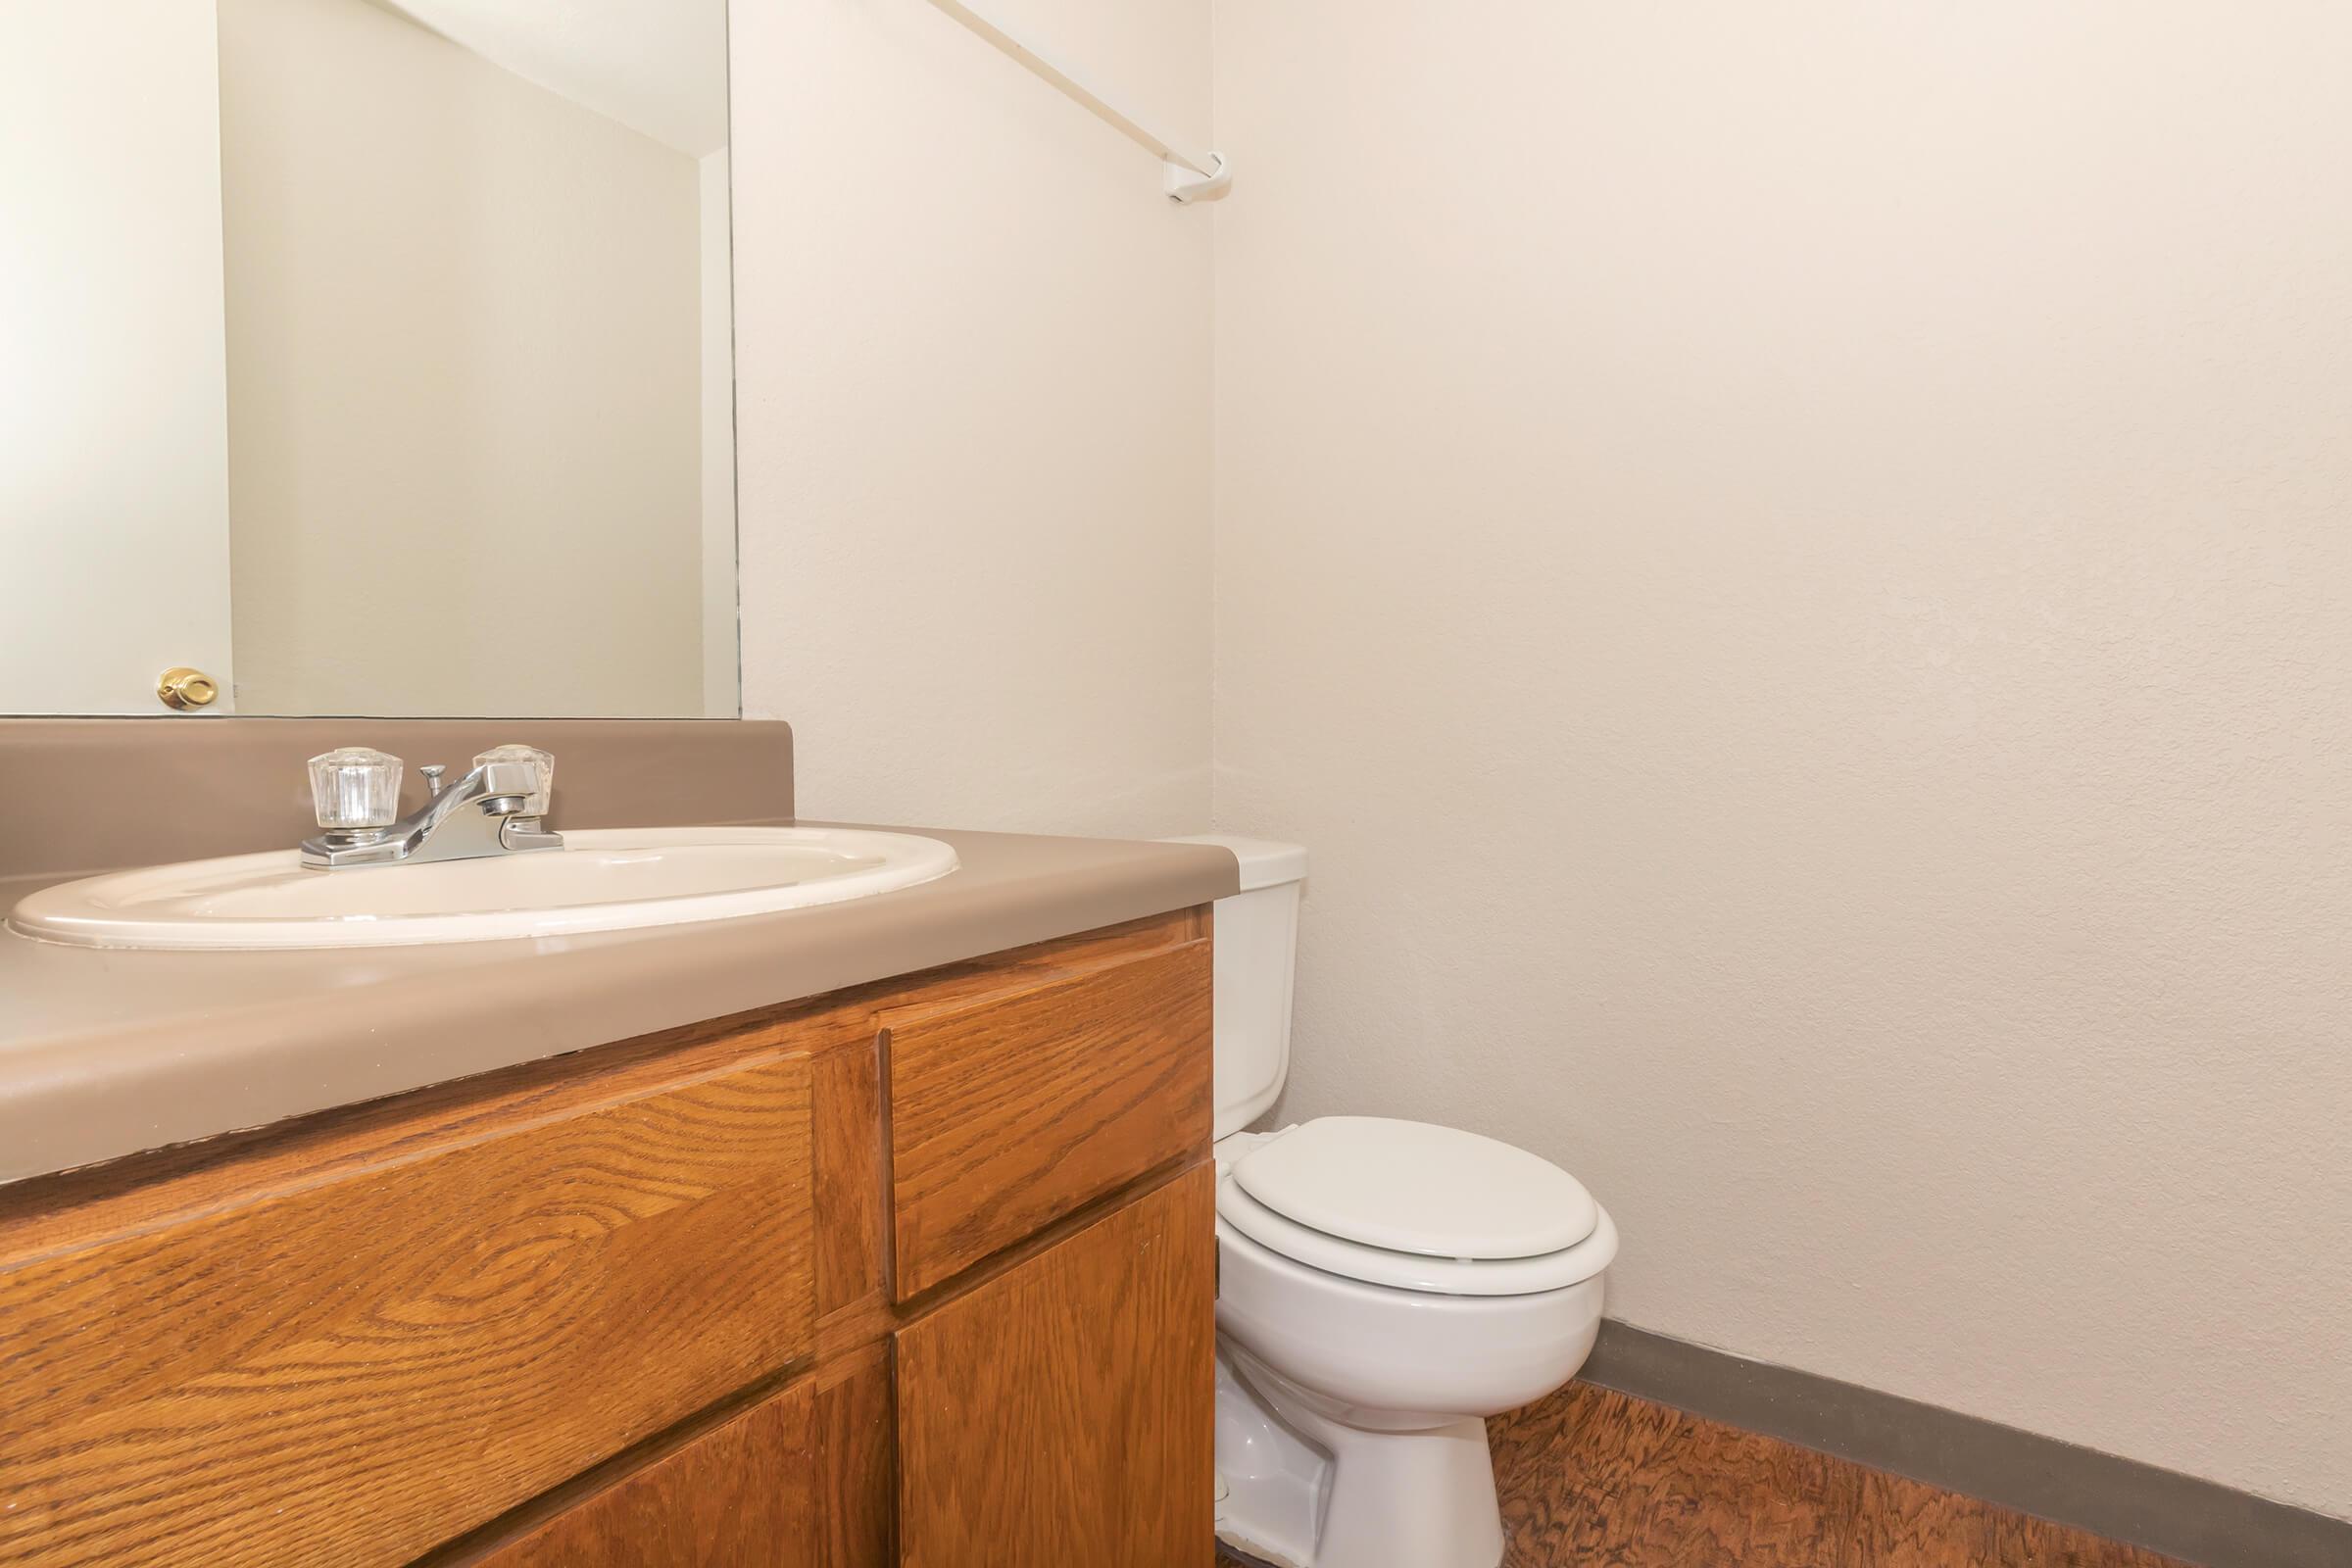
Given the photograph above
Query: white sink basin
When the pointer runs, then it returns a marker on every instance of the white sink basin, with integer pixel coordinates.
(601, 880)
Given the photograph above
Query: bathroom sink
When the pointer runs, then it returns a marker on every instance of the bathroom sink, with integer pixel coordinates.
(601, 880)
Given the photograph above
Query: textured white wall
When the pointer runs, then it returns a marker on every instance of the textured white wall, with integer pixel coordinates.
(973, 402)
(1792, 566)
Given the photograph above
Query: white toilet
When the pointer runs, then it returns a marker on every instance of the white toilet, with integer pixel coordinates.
(1382, 1287)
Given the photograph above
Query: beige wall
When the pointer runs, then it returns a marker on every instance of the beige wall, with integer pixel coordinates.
(973, 400)
(465, 393)
(1792, 566)
(723, 685)
(114, 435)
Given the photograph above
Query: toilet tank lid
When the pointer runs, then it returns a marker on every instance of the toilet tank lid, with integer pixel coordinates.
(1265, 862)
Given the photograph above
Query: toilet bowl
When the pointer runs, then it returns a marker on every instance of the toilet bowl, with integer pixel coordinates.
(1383, 1287)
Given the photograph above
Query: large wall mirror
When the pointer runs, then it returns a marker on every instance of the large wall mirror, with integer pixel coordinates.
(365, 356)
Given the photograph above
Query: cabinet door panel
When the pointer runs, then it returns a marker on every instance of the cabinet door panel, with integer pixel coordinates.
(1062, 1412)
(1007, 1115)
(857, 1459)
(743, 1494)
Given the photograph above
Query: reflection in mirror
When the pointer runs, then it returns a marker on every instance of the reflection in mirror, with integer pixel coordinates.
(366, 357)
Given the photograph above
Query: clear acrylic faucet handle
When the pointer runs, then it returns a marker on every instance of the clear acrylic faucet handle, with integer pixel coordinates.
(544, 763)
(354, 787)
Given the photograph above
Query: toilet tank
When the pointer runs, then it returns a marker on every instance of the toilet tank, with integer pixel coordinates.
(1256, 955)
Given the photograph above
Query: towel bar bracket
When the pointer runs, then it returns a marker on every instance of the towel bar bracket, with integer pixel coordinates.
(1187, 184)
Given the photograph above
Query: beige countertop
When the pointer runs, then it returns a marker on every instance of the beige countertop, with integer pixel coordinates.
(106, 1052)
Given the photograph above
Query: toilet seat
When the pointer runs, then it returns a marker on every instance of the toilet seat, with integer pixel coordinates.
(1416, 1187)
(1416, 1206)
(1416, 1271)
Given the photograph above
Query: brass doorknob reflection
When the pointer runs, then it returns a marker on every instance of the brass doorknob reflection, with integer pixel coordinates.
(186, 688)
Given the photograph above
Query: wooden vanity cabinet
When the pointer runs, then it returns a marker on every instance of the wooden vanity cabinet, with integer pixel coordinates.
(918, 1274)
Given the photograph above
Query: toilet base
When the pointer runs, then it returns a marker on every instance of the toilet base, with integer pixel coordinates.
(1306, 1489)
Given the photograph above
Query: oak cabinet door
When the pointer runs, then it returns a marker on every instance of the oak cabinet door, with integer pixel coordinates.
(743, 1495)
(1063, 1411)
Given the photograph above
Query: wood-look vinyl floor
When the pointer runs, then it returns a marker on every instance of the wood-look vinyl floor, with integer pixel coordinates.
(1596, 1479)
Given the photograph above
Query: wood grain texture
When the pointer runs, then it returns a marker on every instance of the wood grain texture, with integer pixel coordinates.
(1062, 1412)
(358, 1316)
(852, 1258)
(998, 976)
(742, 1495)
(858, 1463)
(1596, 1479)
(1005, 1115)
(346, 1355)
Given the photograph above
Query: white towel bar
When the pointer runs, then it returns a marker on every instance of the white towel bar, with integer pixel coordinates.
(1189, 178)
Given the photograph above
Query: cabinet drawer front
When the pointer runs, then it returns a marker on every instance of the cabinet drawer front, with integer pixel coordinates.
(348, 1371)
(1008, 1114)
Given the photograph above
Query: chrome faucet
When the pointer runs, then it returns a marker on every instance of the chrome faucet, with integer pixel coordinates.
(497, 809)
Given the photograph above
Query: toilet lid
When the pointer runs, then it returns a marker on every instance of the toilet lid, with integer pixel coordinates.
(1238, 1212)
(1413, 1187)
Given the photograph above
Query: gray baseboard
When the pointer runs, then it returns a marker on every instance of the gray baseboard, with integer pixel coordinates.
(2198, 1521)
